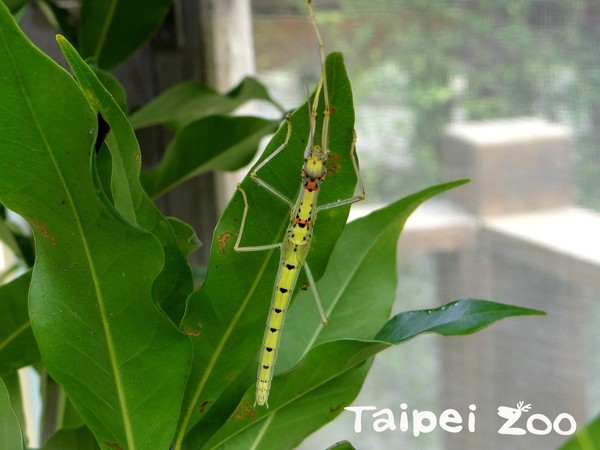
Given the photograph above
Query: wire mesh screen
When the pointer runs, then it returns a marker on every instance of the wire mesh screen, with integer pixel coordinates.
(506, 93)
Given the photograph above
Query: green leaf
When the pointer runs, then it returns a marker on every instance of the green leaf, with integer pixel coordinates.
(99, 332)
(342, 445)
(362, 266)
(10, 431)
(174, 284)
(454, 319)
(187, 102)
(210, 143)
(15, 5)
(112, 85)
(187, 239)
(62, 19)
(328, 364)
(360, 285)
(17, 344)
(250, 428)
(586, 438)
(79, 438)
(15, 395)
(227, 324)
(111, 30)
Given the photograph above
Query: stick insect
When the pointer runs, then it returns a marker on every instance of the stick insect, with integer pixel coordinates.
(303, 213)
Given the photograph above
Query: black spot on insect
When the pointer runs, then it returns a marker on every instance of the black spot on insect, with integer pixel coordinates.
(265, 367)
(269, 349)
(277, 310)
(283, 290)
(273, 330)
(290, 266)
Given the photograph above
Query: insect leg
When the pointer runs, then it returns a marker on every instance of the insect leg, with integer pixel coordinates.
(315, 291)
(361, 195)
(253, 248)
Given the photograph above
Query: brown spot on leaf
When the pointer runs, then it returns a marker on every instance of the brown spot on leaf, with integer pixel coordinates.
(204, 405)
(223, 240)
(335, 408)
(243, 412)
(45, 231)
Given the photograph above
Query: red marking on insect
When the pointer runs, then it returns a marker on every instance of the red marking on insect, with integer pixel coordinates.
(191, 332)
(223, 240)
(312, 185)
(45, 231)
(305, 223)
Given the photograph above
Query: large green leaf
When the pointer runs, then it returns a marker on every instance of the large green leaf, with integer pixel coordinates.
(79, 438)
(327, 366)
(10, 430)
(174, 283)
(111, 30)
(360, 285)
(362, 266)
(187, 102)
(227, 324)
(210, 143)
(99, 332)
(586, 438)
(460, 317)
(358, 290)
(17, 344)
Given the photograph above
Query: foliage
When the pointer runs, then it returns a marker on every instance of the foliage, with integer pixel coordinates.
(586, 438)
(108, 311)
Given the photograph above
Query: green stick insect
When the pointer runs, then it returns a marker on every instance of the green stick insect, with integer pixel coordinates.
(298, 237)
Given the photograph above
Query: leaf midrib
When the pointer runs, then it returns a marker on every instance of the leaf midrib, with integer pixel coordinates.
(222, 342)
(88, 255)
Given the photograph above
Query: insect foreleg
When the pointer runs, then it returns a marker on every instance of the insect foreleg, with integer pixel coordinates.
(278, 150)
(253, 248)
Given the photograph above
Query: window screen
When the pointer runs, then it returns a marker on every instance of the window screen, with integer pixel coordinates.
(506, 93)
